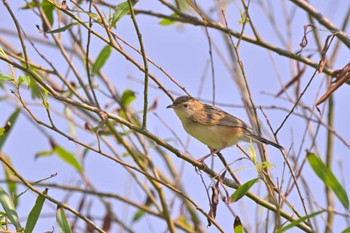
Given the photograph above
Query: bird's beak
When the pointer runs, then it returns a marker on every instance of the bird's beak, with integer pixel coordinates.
(170, 106)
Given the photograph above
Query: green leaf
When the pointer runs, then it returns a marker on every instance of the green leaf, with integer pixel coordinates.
(71, 124)
(138, 215)
(9, 209)
(6, 78)
(167, 22)
(266, 164)
(35, 213)
(24, 79)
(44, 153)
(242, 190)
(35, 88)
(183, 220)
(237, 226)
(127, 97)
(61, 220)
(29, 5)
(347, 230)
(12, 119)
(120, 11)
(2, 53)
(252, 152)
(101, 59)
(48, 10)
(9, 175)
(44, 101)
(62, 29)
(328, 178)
(302, 219)
(244, 18)
(68, 157)
(5, 129)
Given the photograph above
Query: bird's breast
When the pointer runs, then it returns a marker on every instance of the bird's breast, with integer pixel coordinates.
(214, 136)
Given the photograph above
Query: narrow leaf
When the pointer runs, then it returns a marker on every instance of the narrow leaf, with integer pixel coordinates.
(101, 59)
(12, 119)
(44, 153)
(9, 175)
(6, 78)
(34, 87)
(302, 219)
(68, 157)
(9, 209)
(138, 215)
(252, 152)
(61, 220)
(62, 29)
(328, 178)
(35, 213)
(71, 124)
(242, 190)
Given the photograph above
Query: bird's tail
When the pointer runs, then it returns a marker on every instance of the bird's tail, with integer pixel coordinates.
(264, 140)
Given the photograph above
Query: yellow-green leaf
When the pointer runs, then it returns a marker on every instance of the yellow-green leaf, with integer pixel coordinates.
(127, 97)
(68, 157)
(101, 59)
(120, 11)
(6, 78)
(24, 79)
(302, 219)
(61, 220)
(9, 209)
(237, 226)
(9, 175)
(29, 5)
(167, 22)
(12, 119)
(252, 152)
(328, 178)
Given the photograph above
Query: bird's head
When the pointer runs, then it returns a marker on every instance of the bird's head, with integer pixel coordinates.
(185, 106)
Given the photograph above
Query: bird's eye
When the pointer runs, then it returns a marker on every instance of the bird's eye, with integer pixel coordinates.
(185, 105)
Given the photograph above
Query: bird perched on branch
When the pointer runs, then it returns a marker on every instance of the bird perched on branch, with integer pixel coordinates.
(212, 126)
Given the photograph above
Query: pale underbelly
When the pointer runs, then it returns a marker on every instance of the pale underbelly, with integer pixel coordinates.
(216, 137)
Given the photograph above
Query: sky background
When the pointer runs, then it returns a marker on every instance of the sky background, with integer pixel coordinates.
(183, 52)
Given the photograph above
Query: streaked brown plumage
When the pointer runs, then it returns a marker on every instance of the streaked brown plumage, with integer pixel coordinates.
(213, 126)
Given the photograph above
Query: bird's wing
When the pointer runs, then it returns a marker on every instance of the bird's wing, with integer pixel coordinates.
(211, 115)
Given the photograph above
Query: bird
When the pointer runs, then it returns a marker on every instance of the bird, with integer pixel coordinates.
(212, 126)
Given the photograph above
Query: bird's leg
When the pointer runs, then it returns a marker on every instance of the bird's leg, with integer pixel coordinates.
(212, 152)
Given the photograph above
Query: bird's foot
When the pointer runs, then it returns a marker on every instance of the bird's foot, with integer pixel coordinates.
(212, 152)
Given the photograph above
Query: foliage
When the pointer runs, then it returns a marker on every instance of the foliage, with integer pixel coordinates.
(83, 96)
